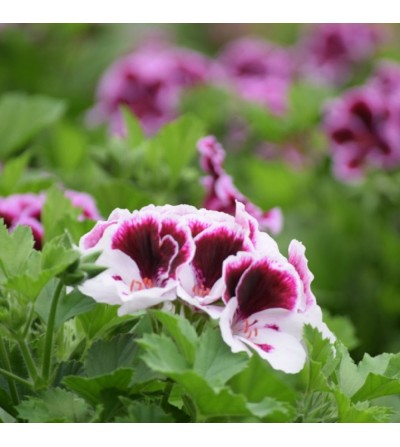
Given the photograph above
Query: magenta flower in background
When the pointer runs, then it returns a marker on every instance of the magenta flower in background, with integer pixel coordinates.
(329, 51)
(257, 71)
(85, 202)
(221, 194)
(363, 126)
(149, 82)
(26, 209)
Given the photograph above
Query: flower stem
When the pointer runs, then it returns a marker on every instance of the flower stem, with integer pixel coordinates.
(11, 380)
(10, 376)
(29, 362)
(50, 332)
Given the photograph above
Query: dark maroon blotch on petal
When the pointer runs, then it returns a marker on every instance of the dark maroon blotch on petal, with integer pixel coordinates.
(264, 287)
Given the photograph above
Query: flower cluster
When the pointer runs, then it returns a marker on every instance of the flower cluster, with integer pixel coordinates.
(221, 194)
(149, 82)
(257, 71)
(329, 51)
(218, 264)
(363, 125)
(26, 209)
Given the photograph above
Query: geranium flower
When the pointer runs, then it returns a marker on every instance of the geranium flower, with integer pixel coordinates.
(363, 128)
(257, 71)
(221, 193)
(149, 82)
(85, 202)
(268, 301)
(26, 209)
(329, 51)
(143, 251)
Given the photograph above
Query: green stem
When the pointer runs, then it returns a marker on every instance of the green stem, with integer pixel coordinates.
(46, 367)
(5, 359)
(167, 392)
(29, 362)
(28, 323)
(9, 375)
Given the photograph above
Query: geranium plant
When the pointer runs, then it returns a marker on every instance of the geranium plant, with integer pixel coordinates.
(196, 299)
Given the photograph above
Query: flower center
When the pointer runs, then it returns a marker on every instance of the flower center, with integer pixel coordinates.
(247, 328)
(135, 285)
(201, 290)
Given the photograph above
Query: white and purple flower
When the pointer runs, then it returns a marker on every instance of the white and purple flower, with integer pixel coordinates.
(215, 263)
(268, 301)
(143, 251)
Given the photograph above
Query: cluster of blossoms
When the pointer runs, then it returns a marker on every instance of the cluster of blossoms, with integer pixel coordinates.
(257, 71)
(149, 82)
(222, 195)
(363, 125)
(329, 52)
(26, 209)
(218, 264)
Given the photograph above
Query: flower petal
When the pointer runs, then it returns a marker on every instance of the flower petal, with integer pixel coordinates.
(267, 284)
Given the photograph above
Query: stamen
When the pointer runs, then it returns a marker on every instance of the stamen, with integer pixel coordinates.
(139, 285)
(201, 290)
(136, 285)
(148, 283)
(246, 327)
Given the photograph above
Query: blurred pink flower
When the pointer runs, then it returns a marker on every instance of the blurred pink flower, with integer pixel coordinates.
(149, 82)
(257, 71)
(26, 209)
(363, 126)
(328, 52)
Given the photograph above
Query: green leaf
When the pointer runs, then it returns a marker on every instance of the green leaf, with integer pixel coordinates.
(181, 331)
(143, 412)
(161, 354)
(98, 389)
(215, 362)
(377, 386)
(118, 193)
(105, 356)
(69, 306)
(372, 378)
(322, 360)
(57, 213)
(12, 173)
(269, 126)
(360, 412)
(100, 320)
(69, 148)
(22, 117)
(177, 143)
(6, 403)
(223, 403)
(55, 405)
(16, 248)
(306, 104)
(134, 132)
(259, 380)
